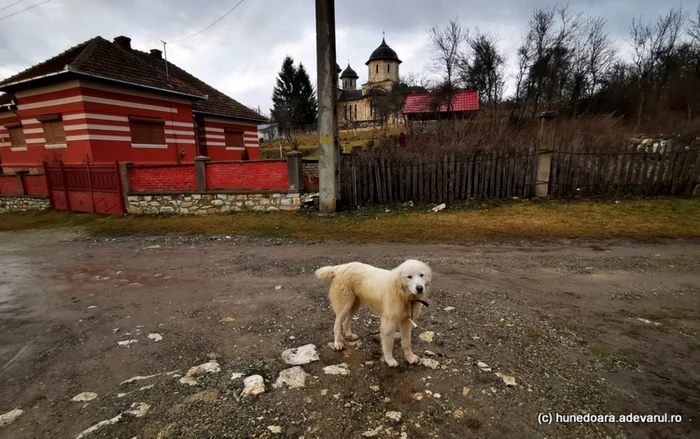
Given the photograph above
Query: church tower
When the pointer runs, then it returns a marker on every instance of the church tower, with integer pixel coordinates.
(349, 78)
(383, 67)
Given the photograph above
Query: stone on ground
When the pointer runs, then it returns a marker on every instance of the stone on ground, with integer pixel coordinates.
(301, 355)
(253, 385)
(294, 378)
(337, 369)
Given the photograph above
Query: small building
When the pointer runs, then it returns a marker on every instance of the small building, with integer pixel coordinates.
(102, 101)
(423, 110)
(268, 132)
(358, 107)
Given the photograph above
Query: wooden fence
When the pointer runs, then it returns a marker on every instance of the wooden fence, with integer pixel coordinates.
(638, 173)
(368, 179)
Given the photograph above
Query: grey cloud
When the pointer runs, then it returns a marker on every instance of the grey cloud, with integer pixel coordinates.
(242, 54)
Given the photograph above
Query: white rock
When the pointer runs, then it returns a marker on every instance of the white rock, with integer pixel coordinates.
(275, 429)
(236, 375)
(648, 322)
(208, 367)
(189, 380)
(253, 385)
(337, 369)
(430, 353)
(437, 395)
(83, 397)
(439, 207)
(294, 378)
(374, 388)
(429, 362)
(301, 355)
(137, 410)
(155, 336)
(449, 308)
(427, 336)
(278, 287)
(373, 433)
(10, 417)
(394, 416)
(126, 343)
(151, 247)
(509, 380)
(147, 377)
(483, 366)
(122, 395)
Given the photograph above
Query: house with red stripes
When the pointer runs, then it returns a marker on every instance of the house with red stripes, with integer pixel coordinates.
(103, 101)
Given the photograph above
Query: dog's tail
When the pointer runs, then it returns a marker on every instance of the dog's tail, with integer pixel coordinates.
(327, 273)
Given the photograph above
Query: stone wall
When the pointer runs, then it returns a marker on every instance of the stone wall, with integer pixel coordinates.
(202, 204)
(11, 203)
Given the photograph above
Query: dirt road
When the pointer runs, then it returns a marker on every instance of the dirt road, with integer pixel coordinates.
(604, 328)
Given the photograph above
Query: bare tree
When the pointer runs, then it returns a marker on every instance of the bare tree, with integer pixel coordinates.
(446, 45)
(483, 69)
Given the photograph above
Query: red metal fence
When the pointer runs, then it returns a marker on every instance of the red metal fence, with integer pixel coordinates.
(85, 188)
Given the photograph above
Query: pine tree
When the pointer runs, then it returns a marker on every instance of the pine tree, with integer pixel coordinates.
(308, 107)
(285, 99)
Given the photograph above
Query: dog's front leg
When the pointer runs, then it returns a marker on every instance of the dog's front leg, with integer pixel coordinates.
(406, 329)
(386, 332)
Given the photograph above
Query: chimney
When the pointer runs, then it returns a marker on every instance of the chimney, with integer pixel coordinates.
(157, 53)
(123, 42)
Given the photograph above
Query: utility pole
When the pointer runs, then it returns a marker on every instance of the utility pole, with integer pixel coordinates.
(327, 83)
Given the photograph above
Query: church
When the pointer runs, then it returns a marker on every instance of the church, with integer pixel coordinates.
(357, 107)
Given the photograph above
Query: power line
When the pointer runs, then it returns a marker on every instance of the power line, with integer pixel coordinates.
(25, 9)
(208, 27)
(9, 6)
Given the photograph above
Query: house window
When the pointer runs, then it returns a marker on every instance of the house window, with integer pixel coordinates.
(234, 139)
(355, 111)
(53, 128)
(388, 68)
(147, 130)
(377, 68)
(16, 135)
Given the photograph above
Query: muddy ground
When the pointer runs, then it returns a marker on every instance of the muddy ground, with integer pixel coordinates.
(602, 328)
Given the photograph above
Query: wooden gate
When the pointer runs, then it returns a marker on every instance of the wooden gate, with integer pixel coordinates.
(85, 188)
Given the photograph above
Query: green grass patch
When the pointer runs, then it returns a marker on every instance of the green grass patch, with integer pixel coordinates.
(635, 219)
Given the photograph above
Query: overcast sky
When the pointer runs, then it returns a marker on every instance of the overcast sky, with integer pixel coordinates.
(242, 54)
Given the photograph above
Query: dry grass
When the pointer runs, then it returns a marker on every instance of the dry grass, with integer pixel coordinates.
(643, 219)
(308, 142)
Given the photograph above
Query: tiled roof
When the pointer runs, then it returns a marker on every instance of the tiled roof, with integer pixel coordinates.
(467, 100)
(109, 61)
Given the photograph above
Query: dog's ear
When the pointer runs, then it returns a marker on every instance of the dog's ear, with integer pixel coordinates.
(400, 280)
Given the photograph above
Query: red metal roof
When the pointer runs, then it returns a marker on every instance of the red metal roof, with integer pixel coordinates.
(467, 100)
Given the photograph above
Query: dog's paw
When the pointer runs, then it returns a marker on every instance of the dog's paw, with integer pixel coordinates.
(392, 363)
(351, 337)
(338, 345)
(415, 359)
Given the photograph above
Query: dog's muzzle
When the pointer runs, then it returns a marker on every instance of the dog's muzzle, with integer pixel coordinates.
(419, 289)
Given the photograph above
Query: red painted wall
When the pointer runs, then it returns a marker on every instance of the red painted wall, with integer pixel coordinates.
(252, 175)
(162, 178)
(35, 185)
(212, 139)
(95, 120)
(9, 185)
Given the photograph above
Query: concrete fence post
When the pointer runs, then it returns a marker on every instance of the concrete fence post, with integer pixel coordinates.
(200, 171)
(20, 182)
(125, 182)
(295, 171)
(545, 146)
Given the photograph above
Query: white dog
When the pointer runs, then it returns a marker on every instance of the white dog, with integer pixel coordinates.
(396, 296)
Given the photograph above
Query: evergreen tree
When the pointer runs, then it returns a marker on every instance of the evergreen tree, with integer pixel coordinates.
(284, 99)
(308, 107)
